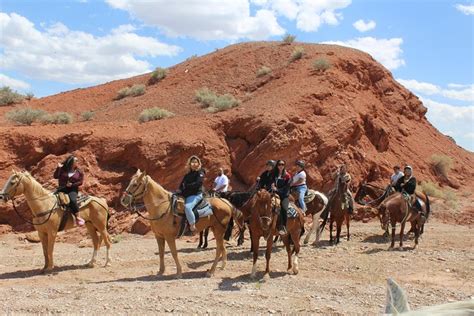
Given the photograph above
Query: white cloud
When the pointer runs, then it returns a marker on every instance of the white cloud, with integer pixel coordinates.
(457, 121)
(466, 9)
(386, 51)
(457, 92)
(232, 19)
(204, 19)
(62, 55)
(363, 26)
(15, 84)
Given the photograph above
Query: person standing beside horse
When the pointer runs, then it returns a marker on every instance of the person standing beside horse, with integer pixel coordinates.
(298, 184)
(281, 185)
(70, 178)
(221, 183)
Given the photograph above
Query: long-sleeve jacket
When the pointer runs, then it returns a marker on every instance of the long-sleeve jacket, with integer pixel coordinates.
(266, 180)
(76, 179)
(283, 185)
(407, 186)
(192, 183)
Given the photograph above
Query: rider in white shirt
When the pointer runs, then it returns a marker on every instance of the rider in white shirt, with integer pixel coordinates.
(221, 183)
(397, 174)
(298, 184)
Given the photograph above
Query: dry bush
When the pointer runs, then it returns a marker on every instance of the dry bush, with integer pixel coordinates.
(297, 53)
(135, 90)
(87, 116)
(321, 65)
(288, 38)
(153, 114)
(9, 96)
(24, 116)
(442, 164)
(157, 75)
(264, 70)
(57, 118)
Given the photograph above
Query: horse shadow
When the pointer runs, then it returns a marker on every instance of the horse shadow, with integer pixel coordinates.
(157, 278)
(231, 284)
(376, 239)
(37, 272)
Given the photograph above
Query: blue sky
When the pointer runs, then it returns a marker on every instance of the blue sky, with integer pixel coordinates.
(51, 46)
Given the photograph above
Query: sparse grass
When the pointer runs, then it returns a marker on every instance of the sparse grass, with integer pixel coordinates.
(288, 38)
(451, 199)
(9, 96)
(442, 164)
(153, 114)
(321, 65)
(87, 116)
(432, 189)
(24, 116)
(264, 70)
(157, 75)
(297, 53)
(57, 118)
(215, 103)
(135, 90)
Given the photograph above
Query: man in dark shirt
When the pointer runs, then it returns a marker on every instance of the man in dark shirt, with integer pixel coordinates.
(266, 179)
(407, 185)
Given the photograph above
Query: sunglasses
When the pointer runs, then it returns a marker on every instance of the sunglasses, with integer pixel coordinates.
(281, 164)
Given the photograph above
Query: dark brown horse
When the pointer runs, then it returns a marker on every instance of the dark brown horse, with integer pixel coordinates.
(396, 209)
(262, 211)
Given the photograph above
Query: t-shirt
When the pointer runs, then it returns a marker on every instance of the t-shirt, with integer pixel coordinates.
(299, 176)
(221, 181)
(395, 177)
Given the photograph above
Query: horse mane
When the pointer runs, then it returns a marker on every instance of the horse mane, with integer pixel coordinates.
(37, 187)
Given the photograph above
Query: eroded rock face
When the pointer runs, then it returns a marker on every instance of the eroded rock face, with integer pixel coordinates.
(352, 113)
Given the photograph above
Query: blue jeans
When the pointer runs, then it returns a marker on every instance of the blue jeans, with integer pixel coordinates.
(189, 203)
(301, 190)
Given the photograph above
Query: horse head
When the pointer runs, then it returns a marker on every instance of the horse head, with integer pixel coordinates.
(264, 207)
(383, 216)
(14, 186)
(360, 193)
(135, 189)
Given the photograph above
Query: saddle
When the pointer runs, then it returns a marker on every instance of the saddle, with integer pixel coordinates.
(414, 202)
(201, 209)
(64, 201)
(310, 195)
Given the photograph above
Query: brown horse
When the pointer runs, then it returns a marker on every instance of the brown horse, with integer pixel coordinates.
(262, 211)
(165, 223)
(338, 210)
(47, 215)
(396, 209)
(313, 208)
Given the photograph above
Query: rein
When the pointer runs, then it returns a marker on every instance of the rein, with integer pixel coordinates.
(135, 209)
(49, 213)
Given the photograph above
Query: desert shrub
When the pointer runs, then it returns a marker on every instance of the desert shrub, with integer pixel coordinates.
(321, 64)
(157, 75)
(215, 103)
(153, 114)
(9, 96)
(432, 189)
(264, 70)
(87, 115)
(135, 90)
(206, 97)
(297, 53)
(24, 116)
(288, 38)
(57, 118)
(29, 96)
(451, 199)
(442, 164)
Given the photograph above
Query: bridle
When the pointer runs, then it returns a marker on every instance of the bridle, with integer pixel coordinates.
(268, 218)
(134, 195)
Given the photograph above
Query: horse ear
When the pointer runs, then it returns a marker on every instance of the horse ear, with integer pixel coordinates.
(138, 172)
(14, 171)
(144, 173)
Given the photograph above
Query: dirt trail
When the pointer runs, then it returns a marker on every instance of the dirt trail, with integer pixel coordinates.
(346, 279)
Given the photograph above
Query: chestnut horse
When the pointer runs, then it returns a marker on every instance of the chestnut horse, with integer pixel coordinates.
(262, 211)
(338, 210)
(165, 223)
(396, 209)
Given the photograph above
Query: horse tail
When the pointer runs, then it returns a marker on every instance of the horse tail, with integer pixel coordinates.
(428, 208)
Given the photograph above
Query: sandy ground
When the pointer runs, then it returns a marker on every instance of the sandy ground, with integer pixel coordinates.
(346, 279)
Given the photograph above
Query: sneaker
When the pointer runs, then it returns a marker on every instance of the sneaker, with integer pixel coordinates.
(282, 231)
(192, 228)
(80, 221)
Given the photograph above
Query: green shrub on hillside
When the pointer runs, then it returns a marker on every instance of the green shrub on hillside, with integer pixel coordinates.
(9, 96)
(24, 116)
(288, 38)
(57, 118)
(264, 70)
(298, 53)
(87, 116)
(321, 65)
(135, 90)
(442, 164)
(157, 75)
(153, 114)
(215, 103)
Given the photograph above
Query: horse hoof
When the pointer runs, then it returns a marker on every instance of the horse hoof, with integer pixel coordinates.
(314, 244)
(209, 274)
(295, 270)
(107, 264)
(400, 248)
(253, 275)
(90, 264)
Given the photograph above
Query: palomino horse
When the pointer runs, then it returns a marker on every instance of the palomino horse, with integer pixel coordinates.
(396, 209)
(47, 215)
(262, 210)
(165, 224)
(337, 209)
(313, 208)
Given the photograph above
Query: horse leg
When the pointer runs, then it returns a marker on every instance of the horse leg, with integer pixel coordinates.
(228, 231)
(240, 241)
(51, 241)
(338, 230)
(172, 245)
(392, 245)
(104, 235)
(402, 227)
(268, 254)
(44, 243)
(295, 236)
(311, 230)
(331, 221)
(95, 241)
(161, 249)
(417, 234)
(201, 236)
(219, 251)
(254, 248)
(206, 235)
(348, 223)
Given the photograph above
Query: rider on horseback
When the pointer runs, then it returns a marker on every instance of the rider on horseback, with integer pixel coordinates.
(265, 180)
(298, 184)
(281, 185)
(397, 174)
(70, 178)
(191, 189)
(344, 176)
(407, 186)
